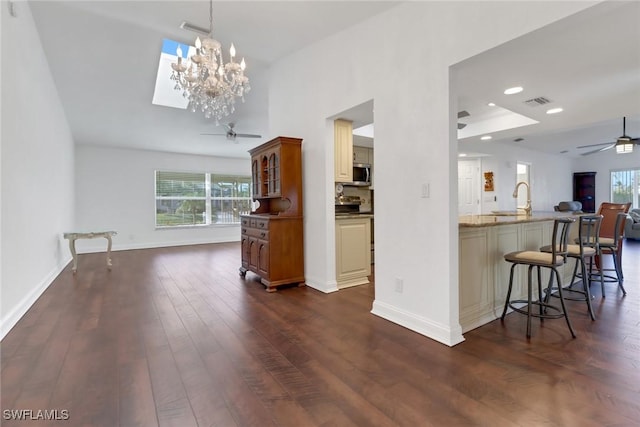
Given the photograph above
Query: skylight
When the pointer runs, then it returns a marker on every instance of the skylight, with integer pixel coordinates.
(164, 92)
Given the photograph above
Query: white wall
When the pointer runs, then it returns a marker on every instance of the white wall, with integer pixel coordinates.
(36, 170)
(603, 163)
(551, 176)
(115, 191)
(401, 60)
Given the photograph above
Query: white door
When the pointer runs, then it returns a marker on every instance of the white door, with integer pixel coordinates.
(469, 187)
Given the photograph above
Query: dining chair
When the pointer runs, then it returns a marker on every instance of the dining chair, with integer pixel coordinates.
(612, 246)
(609, 212)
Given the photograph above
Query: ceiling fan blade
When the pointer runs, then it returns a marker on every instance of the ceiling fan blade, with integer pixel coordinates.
(216, 134)
(611, 145)
(247, 135)
(595, 145)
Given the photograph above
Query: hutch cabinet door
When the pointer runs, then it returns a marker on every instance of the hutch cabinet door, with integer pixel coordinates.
(274, 173)
(263, 258)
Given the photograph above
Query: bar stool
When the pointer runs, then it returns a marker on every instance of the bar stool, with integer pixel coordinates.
(586, 248)
(551, 260)
(611, 246)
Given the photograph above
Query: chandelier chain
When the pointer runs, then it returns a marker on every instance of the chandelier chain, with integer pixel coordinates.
(210, 18)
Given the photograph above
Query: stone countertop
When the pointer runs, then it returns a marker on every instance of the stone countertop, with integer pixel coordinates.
(354, 216)
(490, 220)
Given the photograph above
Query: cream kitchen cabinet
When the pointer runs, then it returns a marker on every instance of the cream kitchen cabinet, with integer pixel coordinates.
(343, 150)
(361, 155)
(353, 250)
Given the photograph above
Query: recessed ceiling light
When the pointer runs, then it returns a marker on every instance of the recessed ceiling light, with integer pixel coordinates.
(462, 155)
(554, 110)
(486, 137)
(491, 104)
(513, 90)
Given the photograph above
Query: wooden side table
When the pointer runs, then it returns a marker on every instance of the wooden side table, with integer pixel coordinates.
(73, 236)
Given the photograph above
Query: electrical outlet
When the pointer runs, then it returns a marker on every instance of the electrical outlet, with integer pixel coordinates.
(399, 284)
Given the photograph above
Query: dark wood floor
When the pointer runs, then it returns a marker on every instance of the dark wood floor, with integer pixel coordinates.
(174, 337)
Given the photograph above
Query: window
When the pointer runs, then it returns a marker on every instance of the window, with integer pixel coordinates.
(230, 198)
(190, 199)
(625, 187)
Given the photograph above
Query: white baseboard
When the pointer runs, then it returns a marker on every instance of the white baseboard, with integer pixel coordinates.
(319, 285)
(9, 320)
(152, 245)
(436, 331)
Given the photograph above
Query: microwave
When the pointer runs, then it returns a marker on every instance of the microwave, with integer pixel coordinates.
(361, 174)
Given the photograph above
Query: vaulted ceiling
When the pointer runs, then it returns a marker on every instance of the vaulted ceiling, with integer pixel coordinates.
(104, 57)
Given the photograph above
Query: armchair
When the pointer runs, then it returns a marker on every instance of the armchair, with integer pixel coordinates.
(632, 226)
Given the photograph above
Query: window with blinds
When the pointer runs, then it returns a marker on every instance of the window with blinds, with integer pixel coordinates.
(625, 187)
(192, 199)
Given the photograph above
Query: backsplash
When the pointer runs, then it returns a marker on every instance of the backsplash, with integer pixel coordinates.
(365, 196)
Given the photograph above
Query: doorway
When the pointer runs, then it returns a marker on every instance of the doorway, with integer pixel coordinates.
(469, 187)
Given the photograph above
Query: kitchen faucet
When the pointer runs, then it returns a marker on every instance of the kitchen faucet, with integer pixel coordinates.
(527, 208)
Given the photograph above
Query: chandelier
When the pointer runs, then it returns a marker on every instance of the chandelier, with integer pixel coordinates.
(209, 84)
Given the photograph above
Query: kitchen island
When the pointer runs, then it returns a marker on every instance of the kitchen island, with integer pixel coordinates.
(483, 272)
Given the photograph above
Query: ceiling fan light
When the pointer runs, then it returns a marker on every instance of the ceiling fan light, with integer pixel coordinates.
(624, 146)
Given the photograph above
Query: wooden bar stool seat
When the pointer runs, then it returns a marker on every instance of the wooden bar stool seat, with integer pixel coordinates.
(586, 248)
(538, 259)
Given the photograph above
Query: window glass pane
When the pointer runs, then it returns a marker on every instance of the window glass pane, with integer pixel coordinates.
(231, 198)
(172, 212)
(625, 187)
(230, 186)
(229, 211)
(180, 184)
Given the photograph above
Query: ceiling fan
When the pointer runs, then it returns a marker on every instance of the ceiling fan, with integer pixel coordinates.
(462, 114)
(622, 140)
(231, 134)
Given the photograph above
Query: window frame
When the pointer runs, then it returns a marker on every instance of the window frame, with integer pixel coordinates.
(208, 199)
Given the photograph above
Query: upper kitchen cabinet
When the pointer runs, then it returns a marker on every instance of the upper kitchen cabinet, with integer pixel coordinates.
(278, 189)
(361, 155)
(343, 150)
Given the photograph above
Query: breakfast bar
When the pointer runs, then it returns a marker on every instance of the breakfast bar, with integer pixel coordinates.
(483, 273)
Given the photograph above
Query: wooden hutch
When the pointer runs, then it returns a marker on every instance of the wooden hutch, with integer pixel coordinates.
(272, 235)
